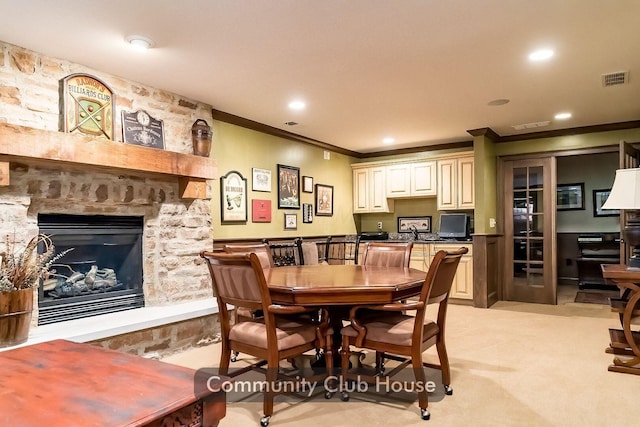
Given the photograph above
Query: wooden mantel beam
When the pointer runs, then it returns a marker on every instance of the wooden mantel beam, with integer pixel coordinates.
(19, 143)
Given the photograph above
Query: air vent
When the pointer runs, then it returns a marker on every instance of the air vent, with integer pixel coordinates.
(290, 123)
(531, 125)
(613, 79)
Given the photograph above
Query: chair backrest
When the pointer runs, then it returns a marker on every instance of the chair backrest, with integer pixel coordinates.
(309, 253)
(440, 275)
(385, 254)
(285, 253)
(342, 251)
(262, 250)
(238, 279)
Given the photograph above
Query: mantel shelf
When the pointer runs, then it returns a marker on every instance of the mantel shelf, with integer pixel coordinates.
(19, 143)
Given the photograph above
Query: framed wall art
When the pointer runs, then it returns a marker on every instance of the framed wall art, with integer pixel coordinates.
(233, 197)
(422, 224)
(290, 221)
(599, 197)
(288, 187)
(260, 210)
(307, 213)
(570, 197)
(261, 179)
(324, 200)
(307, 184)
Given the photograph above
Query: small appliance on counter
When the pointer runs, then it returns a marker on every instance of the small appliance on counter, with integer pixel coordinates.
(373, 235)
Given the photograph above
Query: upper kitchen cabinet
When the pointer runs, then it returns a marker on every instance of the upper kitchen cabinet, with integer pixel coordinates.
(456, 183)
(415, 179)
(369, 190)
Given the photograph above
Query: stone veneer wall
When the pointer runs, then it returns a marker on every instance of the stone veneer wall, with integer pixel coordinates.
(175, 230)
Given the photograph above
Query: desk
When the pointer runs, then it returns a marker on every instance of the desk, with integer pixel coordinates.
(61, 383)
(342, 285)
(625, 342)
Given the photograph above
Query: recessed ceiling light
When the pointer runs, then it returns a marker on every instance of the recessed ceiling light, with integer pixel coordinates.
(497, 102)
(562, 116)
(297, 105)
(541, 55)
(140, 42)
(388, 140)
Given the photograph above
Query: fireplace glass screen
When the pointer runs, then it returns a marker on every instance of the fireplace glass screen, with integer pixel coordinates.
(102, 272)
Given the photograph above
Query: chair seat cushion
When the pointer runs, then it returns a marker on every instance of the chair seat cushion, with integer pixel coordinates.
(289, 333)
(392, 329)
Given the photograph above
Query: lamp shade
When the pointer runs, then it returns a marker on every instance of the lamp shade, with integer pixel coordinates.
(625, 193)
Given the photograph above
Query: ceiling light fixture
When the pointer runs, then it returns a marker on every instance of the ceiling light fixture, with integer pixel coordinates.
(388, 140)
(562, 116)
(541, 55)
(140, 42)
(297, 105)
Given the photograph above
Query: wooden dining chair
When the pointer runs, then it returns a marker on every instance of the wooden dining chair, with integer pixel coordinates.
(239, 280)
(406, 336)
(387, 254)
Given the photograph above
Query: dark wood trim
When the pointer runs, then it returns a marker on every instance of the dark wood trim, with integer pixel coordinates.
(435, 147)
(270, 130)
(488, 132)
(487, 277)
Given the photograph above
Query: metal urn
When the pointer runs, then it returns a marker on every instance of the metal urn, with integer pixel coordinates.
(201, 137)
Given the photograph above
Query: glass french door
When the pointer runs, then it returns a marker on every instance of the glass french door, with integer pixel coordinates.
(530, 265)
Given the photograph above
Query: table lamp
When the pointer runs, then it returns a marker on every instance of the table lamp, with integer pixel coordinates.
(625, 195)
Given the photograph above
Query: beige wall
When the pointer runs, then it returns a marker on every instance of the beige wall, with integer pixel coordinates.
(240, 149)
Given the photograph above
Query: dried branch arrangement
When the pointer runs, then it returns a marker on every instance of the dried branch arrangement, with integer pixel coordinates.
(24, 269)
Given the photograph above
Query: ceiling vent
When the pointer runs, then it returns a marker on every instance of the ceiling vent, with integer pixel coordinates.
(613, 79)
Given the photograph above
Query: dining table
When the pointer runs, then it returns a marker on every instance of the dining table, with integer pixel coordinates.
(338, 287)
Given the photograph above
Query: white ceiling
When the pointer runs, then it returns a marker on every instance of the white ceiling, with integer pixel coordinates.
(421, 71)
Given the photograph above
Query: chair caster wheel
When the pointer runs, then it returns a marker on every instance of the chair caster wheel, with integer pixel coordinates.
(234, 356)
(344, 396)
(448, 390)
(328, 395)
(264, 421)
(424, 413)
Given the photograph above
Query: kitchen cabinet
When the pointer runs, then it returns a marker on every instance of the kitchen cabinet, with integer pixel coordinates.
(415, 179)
(369, 194)
(456, 186)
(462, 288)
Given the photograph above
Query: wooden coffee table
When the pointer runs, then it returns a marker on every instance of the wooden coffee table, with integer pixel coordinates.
(61, 383)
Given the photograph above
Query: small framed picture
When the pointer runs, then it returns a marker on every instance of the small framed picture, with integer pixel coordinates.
(307, 213)
(290, 221)
(599, 197)
(261, 180)
(419, 224)
(233, 197)
(324, 200)
(307, 184)
(570, 197)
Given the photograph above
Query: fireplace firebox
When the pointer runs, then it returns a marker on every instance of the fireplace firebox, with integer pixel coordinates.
(102, 271)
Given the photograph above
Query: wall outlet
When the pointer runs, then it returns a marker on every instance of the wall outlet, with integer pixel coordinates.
(492, 222)
(327, 155)
(379, 225)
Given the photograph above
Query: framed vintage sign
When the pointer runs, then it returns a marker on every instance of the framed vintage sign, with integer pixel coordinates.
(233, 197)
(140, 128)
(570, 197)
(288, 187)
(87, 106)
(261, 179)
(324, 200)
(422, 224)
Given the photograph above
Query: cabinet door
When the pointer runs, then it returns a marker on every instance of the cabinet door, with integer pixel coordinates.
(377, 193)
(360, 190)
(398, 180)
(466, 183)
(462, 286)
(420, 259)
(423, 179)
(447, 184)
